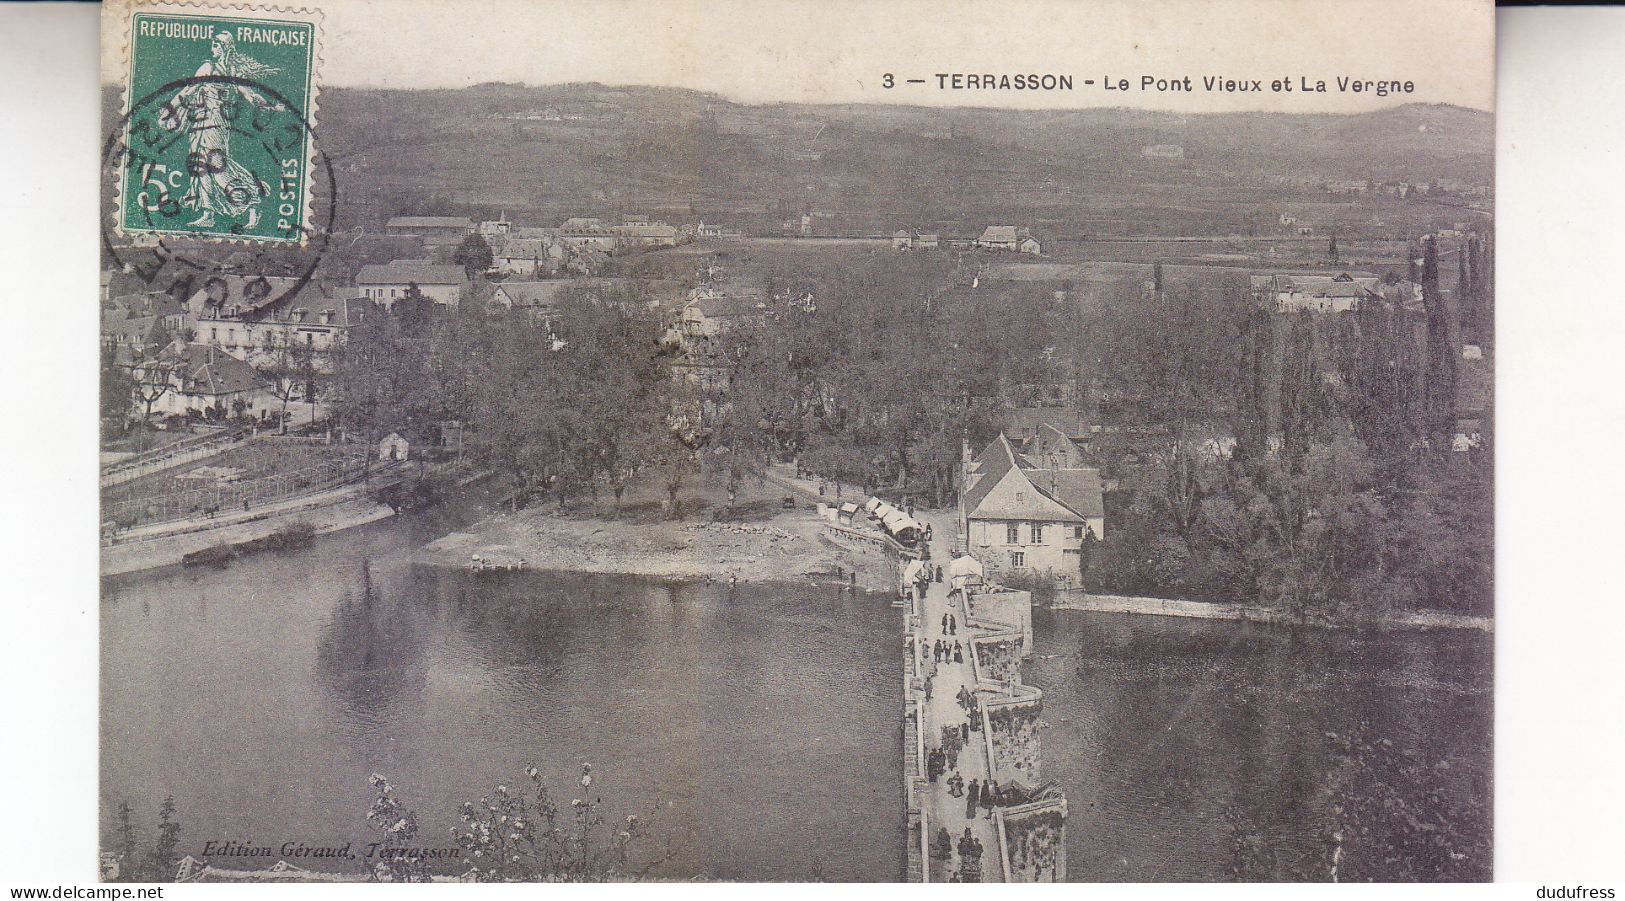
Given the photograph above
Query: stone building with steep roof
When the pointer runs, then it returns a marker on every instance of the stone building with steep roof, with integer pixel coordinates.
(1021, 516)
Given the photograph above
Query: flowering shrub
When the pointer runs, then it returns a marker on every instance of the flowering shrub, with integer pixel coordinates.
(1015, 740)
(399, 860)
(999, 659)
(1034, 840)
(509, 837)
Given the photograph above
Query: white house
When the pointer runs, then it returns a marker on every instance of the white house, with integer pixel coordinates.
(1316, 293)
(386, 283)
(1008, 237)
(202, 378)
(1022, 516)
(645, 234)
(394, 448)
(538, 300)
(316, 319)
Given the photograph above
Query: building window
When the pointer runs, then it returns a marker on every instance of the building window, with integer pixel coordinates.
(1038, 533)
(1012, 533)
(1077, 531)
(1018, 559)
(214, 335)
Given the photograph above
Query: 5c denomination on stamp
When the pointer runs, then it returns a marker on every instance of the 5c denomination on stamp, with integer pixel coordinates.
(219, 107)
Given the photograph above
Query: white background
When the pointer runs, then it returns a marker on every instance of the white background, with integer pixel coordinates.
(1560, 635)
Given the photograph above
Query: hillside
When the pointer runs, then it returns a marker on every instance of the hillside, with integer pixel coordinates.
(545, 152)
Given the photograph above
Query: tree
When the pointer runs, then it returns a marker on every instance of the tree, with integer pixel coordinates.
(291, 368)
(1440, 387)
(158, 337)
(118, 392)
(154, 379)
(1331, 249)
(164, 856)
(414, 311)
(129, 867)
(382, 380)
(474, 255)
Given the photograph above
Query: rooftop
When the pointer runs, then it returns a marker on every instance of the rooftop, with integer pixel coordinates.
(431, 222)
(406, 272)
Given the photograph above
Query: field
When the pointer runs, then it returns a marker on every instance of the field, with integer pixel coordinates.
(258, 471)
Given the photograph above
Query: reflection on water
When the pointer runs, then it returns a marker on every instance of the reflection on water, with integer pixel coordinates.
(758, 724)
(756, 728)
(1159, 725)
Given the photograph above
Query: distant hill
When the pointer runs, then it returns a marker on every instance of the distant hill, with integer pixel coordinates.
(541, 153)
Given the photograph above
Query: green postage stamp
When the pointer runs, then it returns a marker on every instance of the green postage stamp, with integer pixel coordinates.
(216, 134)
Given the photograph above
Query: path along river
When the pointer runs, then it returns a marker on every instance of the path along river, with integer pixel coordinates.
(759, 723)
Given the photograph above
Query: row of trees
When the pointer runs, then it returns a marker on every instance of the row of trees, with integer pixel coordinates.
(563, 406)
(1343, 497)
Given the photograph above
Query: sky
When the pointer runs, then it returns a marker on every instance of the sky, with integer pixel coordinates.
(839, 51)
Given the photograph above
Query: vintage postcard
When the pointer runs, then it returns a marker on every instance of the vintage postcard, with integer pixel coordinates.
(797, 441)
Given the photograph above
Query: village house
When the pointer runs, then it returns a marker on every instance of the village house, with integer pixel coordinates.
(436, 231)
(539, 301)
(710, 312)
(1050, 448)
(527, 257)
(1025, 423)
(206, 380)
(912, 239)
(1008, 237)
(1339, 293)
(316, 319)
(233, 296)
(386, 283)
(495, 229)
(645, 234)
(587, 237)
(1023, 518)
(129, 320)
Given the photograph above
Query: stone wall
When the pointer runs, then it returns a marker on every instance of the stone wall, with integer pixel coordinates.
(1005, 607)
(1032, 838)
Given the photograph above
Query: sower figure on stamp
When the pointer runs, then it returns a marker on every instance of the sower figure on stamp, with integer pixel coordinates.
(219, 184)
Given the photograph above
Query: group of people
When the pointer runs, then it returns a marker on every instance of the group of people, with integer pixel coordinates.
(942, 652)
(950, 625)
(970, 854)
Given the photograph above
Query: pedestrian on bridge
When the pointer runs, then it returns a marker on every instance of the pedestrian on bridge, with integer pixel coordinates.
(945, 624)
(959, 653)
(972, 797)
(990, 794)
(953, 625)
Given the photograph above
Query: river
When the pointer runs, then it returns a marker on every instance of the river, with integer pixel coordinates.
(1159, 727)
(756, 729)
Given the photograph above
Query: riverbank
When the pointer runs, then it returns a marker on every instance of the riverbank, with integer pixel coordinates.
(345, 510)
(756, 540)
(1111, 603)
